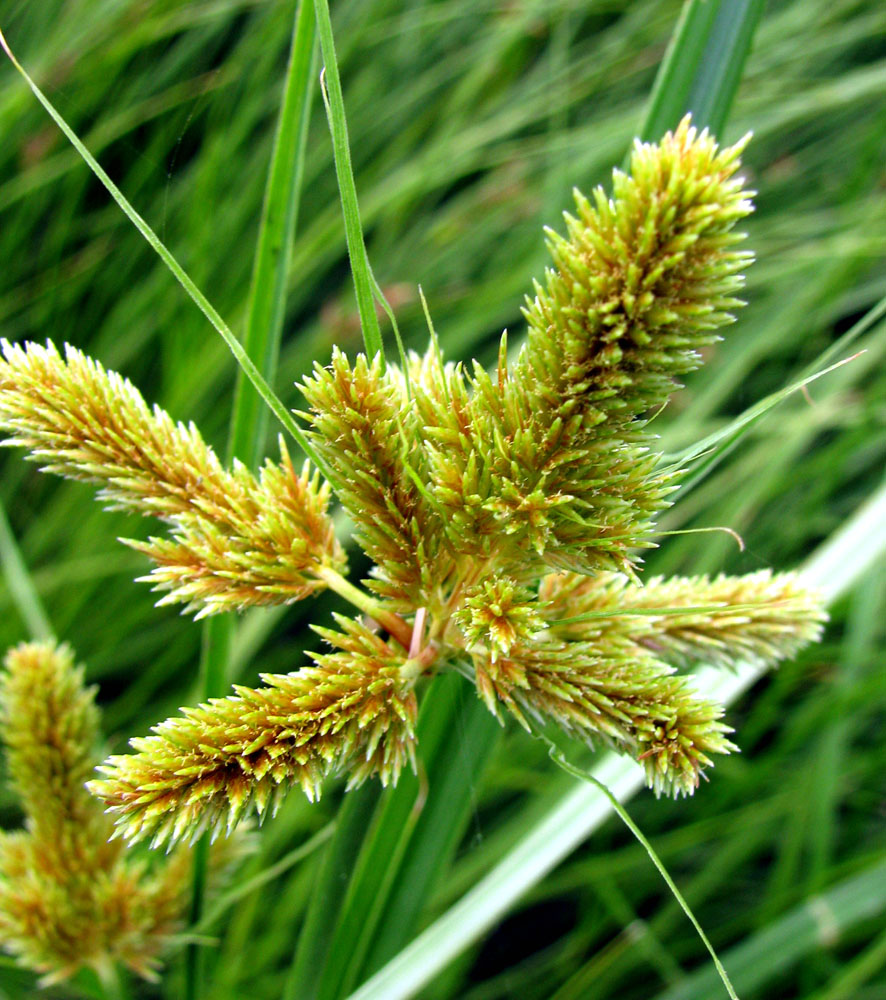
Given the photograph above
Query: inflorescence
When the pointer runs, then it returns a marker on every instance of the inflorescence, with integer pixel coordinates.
(505, 513)
(71, 896)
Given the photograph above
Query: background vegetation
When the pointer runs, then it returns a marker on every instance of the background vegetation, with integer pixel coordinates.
(469, 125)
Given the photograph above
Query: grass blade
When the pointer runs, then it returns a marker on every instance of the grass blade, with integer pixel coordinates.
(711, 450)
(330, 888)
(403, 850)
(414, 865)
(270, 276)
(21, 586)
(362, 274)
(271, 873)
(703, 64)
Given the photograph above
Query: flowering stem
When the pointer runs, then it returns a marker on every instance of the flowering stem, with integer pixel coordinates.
(394, 624)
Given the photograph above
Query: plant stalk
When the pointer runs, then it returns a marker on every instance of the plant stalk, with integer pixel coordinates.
(393, 623)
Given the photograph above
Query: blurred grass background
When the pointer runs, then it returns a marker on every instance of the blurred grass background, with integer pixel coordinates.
(469, 125)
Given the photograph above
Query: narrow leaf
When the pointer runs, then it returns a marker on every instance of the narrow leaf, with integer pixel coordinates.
(335, 108)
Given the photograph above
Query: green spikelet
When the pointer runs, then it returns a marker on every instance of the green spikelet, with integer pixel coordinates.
(49, 724)
(236, 541)
(353, 711)
(642, 280)
(272, 550)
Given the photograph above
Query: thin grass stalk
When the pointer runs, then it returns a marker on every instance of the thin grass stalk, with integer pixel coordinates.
(775, 948)
(833, 569)
(309, 964)
(261, 341)
(178, 272)
(397, 877)
(703, 457)
(360, 270)
(272, 873)
(623, 815)
(270, 276)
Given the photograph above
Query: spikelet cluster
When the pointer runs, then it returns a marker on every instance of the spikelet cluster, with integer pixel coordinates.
(70, 896)
(236, 540)
(504, 512)
(558, 456)
(352, 711)
(761, 617)
(634, 704)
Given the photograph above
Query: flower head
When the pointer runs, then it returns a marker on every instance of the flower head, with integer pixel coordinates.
(70, 896)
(505, 514)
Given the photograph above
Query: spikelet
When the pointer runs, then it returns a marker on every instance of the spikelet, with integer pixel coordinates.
(353, 711)
(365, 427)
(269, 552)
(558, 452)
(49, 724)
(69, 895)
(236, 541)
(759, 618)
(635, 704)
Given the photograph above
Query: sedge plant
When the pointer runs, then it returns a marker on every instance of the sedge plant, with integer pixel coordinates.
(505, 513)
